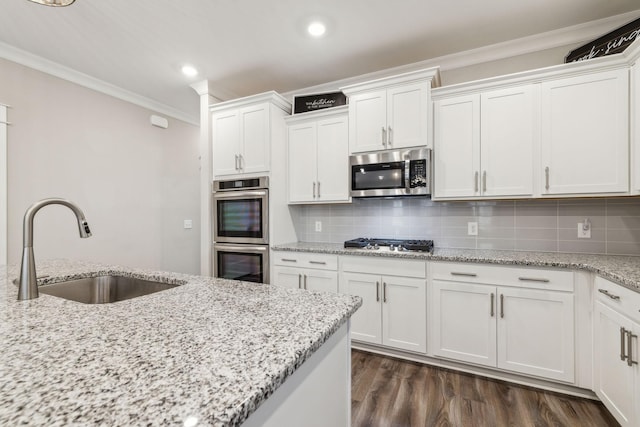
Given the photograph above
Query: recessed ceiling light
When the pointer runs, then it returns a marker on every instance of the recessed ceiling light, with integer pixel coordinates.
(54, 2)
(317, 29)
(189, 71)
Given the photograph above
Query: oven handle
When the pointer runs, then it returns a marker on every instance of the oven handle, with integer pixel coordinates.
(240, 194)
(243, 248)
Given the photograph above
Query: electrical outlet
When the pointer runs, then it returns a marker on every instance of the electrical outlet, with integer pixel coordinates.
(188, 223)
(584, 232)
(472, 228)
(318, 226)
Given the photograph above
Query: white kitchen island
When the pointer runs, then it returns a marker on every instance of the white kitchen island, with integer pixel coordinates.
(210, 352)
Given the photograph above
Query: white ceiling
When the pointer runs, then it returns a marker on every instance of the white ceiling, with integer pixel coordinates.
(249, 46)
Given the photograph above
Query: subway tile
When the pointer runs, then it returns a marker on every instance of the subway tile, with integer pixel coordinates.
(536, 245)
(497, 221)
(630, 209)
(500, 244)
(623, 222)
(569, 221)
(457, 221)
(537, 234)
(456, 232)
(624, 248)
(589, 247)
(533, 216)
(627, 236)
(496, 232)
(455, 243)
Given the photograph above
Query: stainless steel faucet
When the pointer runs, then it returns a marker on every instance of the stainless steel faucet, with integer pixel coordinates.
(28, 287)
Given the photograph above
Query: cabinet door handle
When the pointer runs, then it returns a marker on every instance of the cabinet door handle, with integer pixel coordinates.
(318, 262)
(384, 136)
(533, 279)
(318, 188)
(384, 291)
(630, 360)
(623, 354)
(305, 281)
(492, 302)
(241, 161)
(314, 190)
(288, 260)
(610, 295)
(475, 180)
(377, 291)
(389, 135)
(484, 181)
(237, 167)
(299, 281)
(455, 273)
(501, 306)
(546, 177)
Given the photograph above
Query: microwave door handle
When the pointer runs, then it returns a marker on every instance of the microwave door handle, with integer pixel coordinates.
(407, 176)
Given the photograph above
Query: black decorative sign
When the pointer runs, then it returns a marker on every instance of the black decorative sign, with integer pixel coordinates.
(321, 101)
(614, 42)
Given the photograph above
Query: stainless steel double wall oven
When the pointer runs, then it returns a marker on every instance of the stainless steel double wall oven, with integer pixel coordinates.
(241, 229)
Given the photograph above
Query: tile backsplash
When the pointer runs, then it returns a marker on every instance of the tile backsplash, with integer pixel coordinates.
(525, 225)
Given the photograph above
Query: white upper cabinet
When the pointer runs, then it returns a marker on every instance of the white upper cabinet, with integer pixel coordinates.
(484, 144)
(391, 112)
(635, 126)
(585, 134)
(507, 142)
(318, 157)
(242, 131)
(457, 147)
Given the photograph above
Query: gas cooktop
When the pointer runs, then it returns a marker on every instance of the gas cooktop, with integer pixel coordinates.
(393, 244)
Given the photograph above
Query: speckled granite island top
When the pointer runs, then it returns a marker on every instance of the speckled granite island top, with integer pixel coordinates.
(624, 270)
(210, 349)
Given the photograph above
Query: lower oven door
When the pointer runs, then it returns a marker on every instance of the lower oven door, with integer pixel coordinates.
(241, 262)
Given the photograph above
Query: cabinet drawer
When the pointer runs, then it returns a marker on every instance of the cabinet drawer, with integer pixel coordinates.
(383, 266)
(623, 300)
(306, 260)
(523, 277)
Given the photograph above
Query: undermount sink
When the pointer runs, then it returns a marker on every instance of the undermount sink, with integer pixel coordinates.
(104, 289)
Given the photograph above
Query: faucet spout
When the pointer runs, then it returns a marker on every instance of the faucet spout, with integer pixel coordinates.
(28, 287)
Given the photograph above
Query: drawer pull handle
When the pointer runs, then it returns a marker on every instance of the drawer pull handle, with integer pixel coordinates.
(384, 291)
(501, 306)
(305, 282)
(630, 360)
(533, 279)
(454, 273)
(288, 260)
(318, 262)
(377, 291)
(623, 332)
(610, 295)
(299, 281)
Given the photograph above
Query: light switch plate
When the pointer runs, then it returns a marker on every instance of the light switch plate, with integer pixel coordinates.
(318, 226)
(188, 223)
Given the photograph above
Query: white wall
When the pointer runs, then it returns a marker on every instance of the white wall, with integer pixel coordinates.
(135, 182)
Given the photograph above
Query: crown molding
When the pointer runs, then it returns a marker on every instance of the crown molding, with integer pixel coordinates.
(44, 65)
(576, 34)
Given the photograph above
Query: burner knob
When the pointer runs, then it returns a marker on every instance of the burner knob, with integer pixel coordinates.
(376, 247)
(401, 248)
(368, 246)
(392, 248)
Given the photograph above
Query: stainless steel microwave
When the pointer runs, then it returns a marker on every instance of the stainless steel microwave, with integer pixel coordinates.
(391, 173)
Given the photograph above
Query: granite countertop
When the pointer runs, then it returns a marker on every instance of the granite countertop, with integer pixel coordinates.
(211, 349)
(624, 270)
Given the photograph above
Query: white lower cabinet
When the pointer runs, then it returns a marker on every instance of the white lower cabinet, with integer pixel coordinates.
(313, 272)
(393, 311)
(616, 368)
(488, 317)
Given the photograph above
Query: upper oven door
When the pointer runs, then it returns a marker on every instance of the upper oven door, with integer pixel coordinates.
(241, 217)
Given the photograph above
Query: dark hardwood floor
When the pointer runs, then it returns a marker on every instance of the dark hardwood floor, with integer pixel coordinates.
(392, 392)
